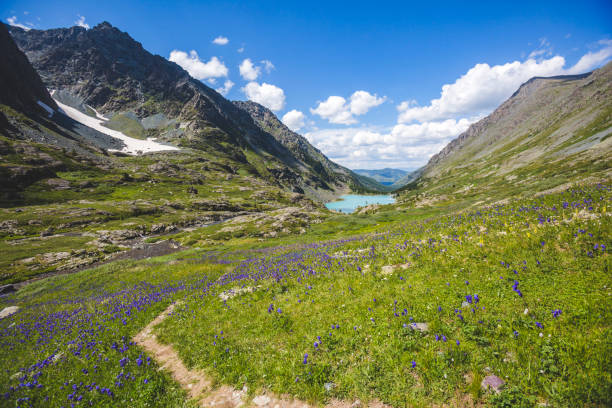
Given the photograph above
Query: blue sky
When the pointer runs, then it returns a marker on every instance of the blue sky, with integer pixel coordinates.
(363, 81)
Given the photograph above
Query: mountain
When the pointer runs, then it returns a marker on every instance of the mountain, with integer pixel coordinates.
(384, 176)
(551, 133)
(408, 178)
(22, 88)
(34, 135)
(304, 151)
(103, 71)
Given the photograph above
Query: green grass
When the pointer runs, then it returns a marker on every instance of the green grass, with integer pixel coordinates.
(567, 366)
(330, 276)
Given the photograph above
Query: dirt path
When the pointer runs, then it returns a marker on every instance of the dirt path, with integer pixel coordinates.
(199, 386)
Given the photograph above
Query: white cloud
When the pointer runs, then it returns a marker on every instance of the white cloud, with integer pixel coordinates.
(81, 22)
(402, 146)
(248, 70)
(270, 96)
(593, 59)
(362, 102)
(294, 120)
(227, 85)
(336, 109)
(482, 88)
(196, 68)
(268, 65)
(240, 50)
(13, 22)
(424, 130)
(220, 40)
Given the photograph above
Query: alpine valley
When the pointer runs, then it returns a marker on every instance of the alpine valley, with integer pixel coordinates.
(163, 246)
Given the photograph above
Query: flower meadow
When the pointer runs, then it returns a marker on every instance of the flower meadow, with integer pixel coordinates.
(414, 314)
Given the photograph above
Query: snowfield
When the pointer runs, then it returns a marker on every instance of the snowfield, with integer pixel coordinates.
(132, 146)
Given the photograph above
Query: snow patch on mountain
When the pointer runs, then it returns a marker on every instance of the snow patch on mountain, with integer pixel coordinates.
(132, 146)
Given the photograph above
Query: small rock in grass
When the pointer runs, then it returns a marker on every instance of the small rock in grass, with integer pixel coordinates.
(387, 270)
(423, 327)
(261, 400)
(7, 311)
(329, 386)
(356, 404)
(465, 304)
(492, 382)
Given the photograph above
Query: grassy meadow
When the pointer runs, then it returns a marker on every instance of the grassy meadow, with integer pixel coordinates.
(411, 307)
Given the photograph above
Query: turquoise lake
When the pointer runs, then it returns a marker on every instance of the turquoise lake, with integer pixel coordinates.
(349, 202)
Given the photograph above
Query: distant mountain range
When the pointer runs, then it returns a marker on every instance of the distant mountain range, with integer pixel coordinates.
(386, 176)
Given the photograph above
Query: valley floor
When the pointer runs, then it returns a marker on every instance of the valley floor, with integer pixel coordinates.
(413, 307)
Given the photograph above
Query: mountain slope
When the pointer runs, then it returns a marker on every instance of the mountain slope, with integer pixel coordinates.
(551, 133)
(146, 95)
(407, 179)
(34, 136)
(385, 176)
(329, 171)
(22, 88)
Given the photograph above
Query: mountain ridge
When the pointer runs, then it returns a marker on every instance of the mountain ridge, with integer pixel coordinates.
(106, 69)
(565, 120)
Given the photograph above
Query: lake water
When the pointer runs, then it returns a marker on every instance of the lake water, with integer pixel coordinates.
(349, 202)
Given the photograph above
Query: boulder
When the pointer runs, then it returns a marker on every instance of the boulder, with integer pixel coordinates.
(7, 311)
(422, 327)
(492, 382)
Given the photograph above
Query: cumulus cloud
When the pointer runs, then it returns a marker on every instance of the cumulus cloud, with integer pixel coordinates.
(402, 146)
(220, 40)
(199, 70)
(362, 102)
(13, 22)
(81, 22)
(422, 131)
(480, 90)
(227, 85)
(248, 70)
(593, 59)
(335, 110)
(483, 87)
(294, 120)
(338, 110)
(270, 96)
